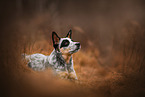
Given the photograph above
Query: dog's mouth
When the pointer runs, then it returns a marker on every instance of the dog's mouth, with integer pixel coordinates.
(74, 51)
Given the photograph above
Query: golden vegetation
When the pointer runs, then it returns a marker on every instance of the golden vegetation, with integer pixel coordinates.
(111, 62)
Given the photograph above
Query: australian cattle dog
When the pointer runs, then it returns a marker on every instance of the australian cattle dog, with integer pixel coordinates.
(60, 60)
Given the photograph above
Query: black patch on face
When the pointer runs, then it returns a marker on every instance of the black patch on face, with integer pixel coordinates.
(64, 43)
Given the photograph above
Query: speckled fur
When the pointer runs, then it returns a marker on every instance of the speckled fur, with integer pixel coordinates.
(56, 60)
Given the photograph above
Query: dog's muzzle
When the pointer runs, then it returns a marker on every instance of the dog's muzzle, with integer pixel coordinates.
(77, 47)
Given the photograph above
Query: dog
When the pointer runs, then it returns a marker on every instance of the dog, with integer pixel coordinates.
(60, 60)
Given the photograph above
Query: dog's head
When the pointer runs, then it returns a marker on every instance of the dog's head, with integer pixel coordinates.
(65, 45)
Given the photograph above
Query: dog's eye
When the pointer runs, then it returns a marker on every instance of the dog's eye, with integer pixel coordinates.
(64, 43)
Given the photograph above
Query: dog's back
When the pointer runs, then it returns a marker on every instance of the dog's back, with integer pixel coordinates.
(36, 61)
(60, 60)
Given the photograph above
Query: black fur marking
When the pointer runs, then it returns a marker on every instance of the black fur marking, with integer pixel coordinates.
(29, 65)
(64, 43)
(69, 34)
(54, 38)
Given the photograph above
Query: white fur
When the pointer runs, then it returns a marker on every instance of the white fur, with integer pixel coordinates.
(39, 62)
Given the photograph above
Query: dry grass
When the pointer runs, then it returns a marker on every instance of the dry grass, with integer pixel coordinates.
(94, 79)
(117, 74)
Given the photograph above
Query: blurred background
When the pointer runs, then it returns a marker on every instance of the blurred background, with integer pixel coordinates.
(111, 62)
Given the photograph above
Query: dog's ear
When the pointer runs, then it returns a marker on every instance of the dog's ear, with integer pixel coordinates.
(69, 34)
(55, 39)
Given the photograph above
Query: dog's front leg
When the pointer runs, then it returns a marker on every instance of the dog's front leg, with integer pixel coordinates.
(63, 74)
(72, 73)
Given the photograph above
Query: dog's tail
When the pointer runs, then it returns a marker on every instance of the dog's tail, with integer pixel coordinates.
(25, 56)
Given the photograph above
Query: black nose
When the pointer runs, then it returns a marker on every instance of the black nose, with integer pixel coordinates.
(77, 44)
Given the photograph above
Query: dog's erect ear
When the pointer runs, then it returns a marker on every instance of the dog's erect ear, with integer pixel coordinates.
(55, 39)
(69, 34)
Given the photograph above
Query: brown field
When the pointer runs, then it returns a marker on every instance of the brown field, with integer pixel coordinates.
(111, 62)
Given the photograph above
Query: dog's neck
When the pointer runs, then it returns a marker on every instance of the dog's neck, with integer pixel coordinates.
(66, 58)
(63, 56)
(60, 58)
(60, 61)
(66, 55)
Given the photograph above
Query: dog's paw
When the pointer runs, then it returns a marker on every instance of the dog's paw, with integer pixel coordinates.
(63, 75)
(72, 76)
